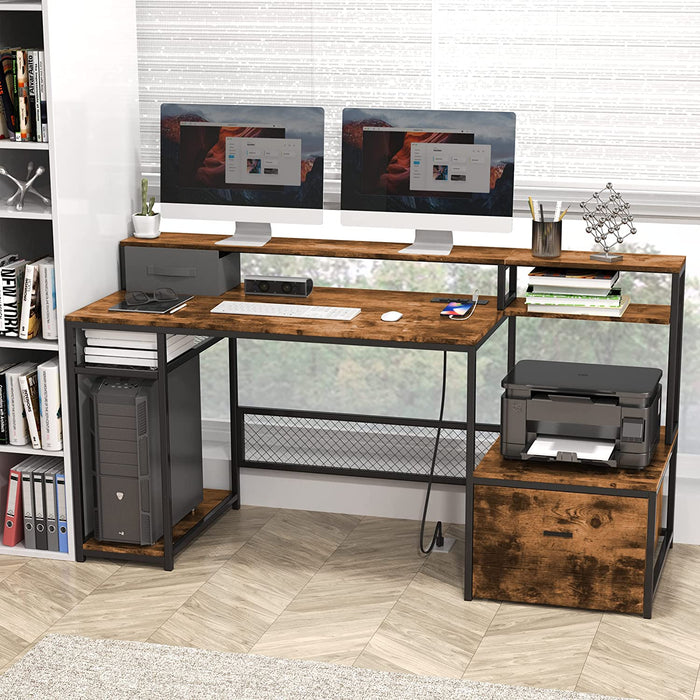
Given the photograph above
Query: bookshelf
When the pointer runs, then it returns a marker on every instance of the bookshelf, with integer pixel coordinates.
(91, 177)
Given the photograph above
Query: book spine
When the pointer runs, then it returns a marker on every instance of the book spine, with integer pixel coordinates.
(28, 392)
(31, 81)
(42, 98)
(4, 128)
(50, 407)
(4, 434)
(11, 282)
(29, 321)
(47, 294)
(23, 94)
(6, 93)
(15, 97)
(16, 421)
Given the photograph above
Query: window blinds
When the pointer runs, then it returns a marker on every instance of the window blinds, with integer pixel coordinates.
(603, 92)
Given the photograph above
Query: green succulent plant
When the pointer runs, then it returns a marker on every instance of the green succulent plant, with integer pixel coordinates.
(146, 204)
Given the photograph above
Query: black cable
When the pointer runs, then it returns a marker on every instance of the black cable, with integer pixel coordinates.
(437, 534)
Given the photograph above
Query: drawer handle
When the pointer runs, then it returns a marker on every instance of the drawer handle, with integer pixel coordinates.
(171, 271)
(555, 533)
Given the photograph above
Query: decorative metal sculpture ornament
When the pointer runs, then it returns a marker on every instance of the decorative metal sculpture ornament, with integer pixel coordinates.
(608, 220)
(24, 187)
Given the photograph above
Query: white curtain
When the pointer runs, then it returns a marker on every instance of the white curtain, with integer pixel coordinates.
(603, 91)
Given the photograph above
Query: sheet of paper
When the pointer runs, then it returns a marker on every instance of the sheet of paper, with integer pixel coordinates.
(548, 446)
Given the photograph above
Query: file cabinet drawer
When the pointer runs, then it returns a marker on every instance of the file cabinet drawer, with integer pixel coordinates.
(559, 548)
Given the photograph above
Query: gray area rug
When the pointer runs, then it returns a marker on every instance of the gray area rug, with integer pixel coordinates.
(62, 666)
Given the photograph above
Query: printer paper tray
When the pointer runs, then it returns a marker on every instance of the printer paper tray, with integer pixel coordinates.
(571, 450)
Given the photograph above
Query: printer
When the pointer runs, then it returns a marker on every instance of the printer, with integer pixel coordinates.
(581, 413)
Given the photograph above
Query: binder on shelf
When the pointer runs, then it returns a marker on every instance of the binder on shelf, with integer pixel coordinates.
(61, 512)
(51, 506)
(13, 532)
(28, 510)
(40, 506)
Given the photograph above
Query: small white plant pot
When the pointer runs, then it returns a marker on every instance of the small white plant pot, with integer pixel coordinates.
(146, 226)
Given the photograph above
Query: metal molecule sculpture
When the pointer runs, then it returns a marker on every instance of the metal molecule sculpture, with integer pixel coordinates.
(608, 220)
(24, 187)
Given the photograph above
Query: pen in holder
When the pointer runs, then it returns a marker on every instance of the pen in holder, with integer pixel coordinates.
(546, 239)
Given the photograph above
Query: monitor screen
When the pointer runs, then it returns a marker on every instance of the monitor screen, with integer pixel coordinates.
(428, 169)
(241, 163)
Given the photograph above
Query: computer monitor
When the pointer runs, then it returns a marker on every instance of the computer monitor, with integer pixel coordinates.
(246, 165)
(431, 170)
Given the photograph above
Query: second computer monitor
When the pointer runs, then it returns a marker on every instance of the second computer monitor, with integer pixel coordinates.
(430, 170)
(248, 165)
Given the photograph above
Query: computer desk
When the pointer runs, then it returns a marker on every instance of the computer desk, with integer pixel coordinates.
(421, 327)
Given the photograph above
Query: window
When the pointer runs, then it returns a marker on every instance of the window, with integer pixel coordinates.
(604, 91)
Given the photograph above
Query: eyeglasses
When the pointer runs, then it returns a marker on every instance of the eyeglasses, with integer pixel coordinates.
(137, 298)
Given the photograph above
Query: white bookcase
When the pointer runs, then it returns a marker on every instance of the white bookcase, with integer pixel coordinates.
(92, 172)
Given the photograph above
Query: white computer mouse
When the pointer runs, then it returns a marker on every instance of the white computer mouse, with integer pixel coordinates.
(391, 315)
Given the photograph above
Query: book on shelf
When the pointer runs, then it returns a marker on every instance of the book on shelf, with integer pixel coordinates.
(47, 297)
(107, 334)
(51, 424)
(8, 59)
(11, 278)
(29, 391)
(4, 429)
(32, 91)
(42, 124)
(612, 312)
(23, 95)
(6, 100)
(571, 281)
(609, 300)
(30, 314)
(16, 419)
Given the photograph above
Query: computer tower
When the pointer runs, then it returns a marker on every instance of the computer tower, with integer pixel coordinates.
(126, 445)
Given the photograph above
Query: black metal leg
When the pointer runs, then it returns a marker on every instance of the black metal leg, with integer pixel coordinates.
(649, 564)
(237, 428)
(76, 476)
(469, 480)
(164, 427)
(511, 342)
(675, 335)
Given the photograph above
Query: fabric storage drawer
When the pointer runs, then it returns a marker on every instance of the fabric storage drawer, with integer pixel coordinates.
(578, 550)
(186, 270)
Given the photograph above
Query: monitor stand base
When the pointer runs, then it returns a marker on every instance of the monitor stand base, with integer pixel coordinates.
(428, 242)
(252, 235)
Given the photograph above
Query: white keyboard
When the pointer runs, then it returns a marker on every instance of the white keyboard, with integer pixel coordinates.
(256, 308)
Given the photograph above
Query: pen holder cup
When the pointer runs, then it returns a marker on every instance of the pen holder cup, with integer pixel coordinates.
(546, 239)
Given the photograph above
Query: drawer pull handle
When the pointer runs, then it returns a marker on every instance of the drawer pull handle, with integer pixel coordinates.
(171, 271)
(555, 533)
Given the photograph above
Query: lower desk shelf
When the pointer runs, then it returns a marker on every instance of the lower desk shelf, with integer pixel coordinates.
(207, 511)
(569, 535)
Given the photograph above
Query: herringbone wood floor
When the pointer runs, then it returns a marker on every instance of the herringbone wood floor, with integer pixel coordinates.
(353, 590)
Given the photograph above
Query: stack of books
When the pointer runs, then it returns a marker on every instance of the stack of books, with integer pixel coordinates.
(571, 291)
(30, 405)
(28, 298)
(23, 95)
(132, 348)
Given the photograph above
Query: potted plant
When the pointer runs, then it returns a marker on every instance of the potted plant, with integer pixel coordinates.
(146, 222)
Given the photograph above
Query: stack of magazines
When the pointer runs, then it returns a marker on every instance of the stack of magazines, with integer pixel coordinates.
(572, 291)
(132, 348)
